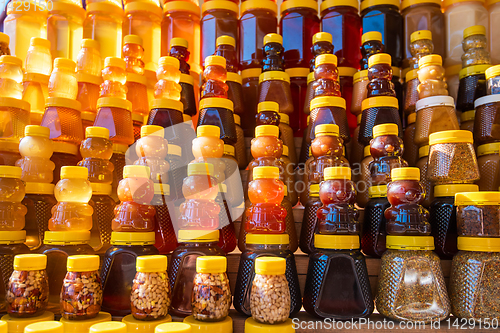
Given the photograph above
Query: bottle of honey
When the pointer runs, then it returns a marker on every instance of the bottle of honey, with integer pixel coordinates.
(115, 76)
(168, 75)
(152, 150)
(420, 46)
(431, 77)
(36, 150)
(133, 52)
(380, 76)
(96, 151)
(226, 48)
(371, 43)
(326, 76)
(214, 77)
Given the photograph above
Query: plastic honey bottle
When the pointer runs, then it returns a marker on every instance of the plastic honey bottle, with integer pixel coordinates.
(431, 77)
(266, 149)
(39, 59)
(265, 192)
(475, 46)
(380, 76)
(420, 46)
(89, 60)
(326, 76)
(200, 188)
(63, 82)
(168, 76)
(11, 76)
(133, 52)
(73, 193)
(96, 151)
(208, 147)
(371, 43)
(322, 44)
(179, 50)
(36, 150)
(12, 191)
(226, 48)
(273, 53)
(135, 191)
(152, 150)
(267, 113)
(115, 76)
(214, 78)
(338, 195)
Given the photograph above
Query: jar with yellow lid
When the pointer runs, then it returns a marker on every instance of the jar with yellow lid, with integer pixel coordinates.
(150, 295)
(434, 114)
(115, 115)
(24, 21)
(11, 244)
(28, 288)
(467, 120)
(108, 327)
(39, 58)
(62, 81)
(167, 113)
(383, 16)
(473, 275)
(182, 265)
(410, 91)
(12, 193)
(420, 45)
(211, 296)
(45, 327)
(16, 115)
(378, 110)
(4, 44)
(258, 18)
(475, 47)
(11, 77)
(81, 294)
(96, 150)
(422, 297)
(259, 245)
(410, 153)
(459, 15)
(431, 77)
(119, 268)
(488, 161)
(337, 272)
(443, 218)
(270, 295)
(104, 207)
(487, 122)
(478, 214)
(39, 200)
(373, 235)
(58, 246)
(329, 110)
(36, 150)
(152, 149)
(471, 87)
(64, 29)
(143, 19)
(166, 240)
(103, 23)
(219, 112)
(423, 158)
(452, 159)
(250, 88)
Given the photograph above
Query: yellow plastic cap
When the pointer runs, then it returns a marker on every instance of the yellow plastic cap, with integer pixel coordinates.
(136, 171)
(8, 59)
(154, 130)
(379, 58)
(215, 102)
(267, 130)
(37, 41)
(410, 173)
(251, 72)
(113, 102)
(449, 190)
(412, 118)
(215, 60)
(132, 39)
(284, 118)
(450, 137)
(268, 106)
(323, 101)
(473, 70)
(377, 191)
(347, 71)
(200, 169)
(360, 75)
(314, 190)
(229, 150)
(478, 244)
(423, 151)
(370, 3)
(474, 30)
(12, 237)
(274, 76)
(101, 189)
(208, 131)
(371, 35)
(151, 264)
(187, 236)
(77, 172)
(96, 132)
(379, 101)
(165, 103)
(211, 264)
(4, 38)
(385, 129)
(412, 74)
(45, 327)
(273, 38)
(225, 40)
(488, 149)
(114, 62)
(266, 172)
(219, 4)
(163, 189)
(83, 263)
(366, 151)
(268, 239)
(65, 63)
(325, 59)
(253, 326)
(90, 43)
(410, 242)
(234, 77)
(337, 173)
(492, 72)
(289, 4)
(39, 188)
(30, 262)
(173, 328)
(66, 237)
(169, 61)
(270, 266)
(132, 238)
(420, 34)
(407, 3)
(237, 119)
(35, 130)
(477, 198)
(326, 129)
(174, 150)
(109, 327)
(259, 4)
(178, 41)
(322, 37)
(336, 242)
(430, 60)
